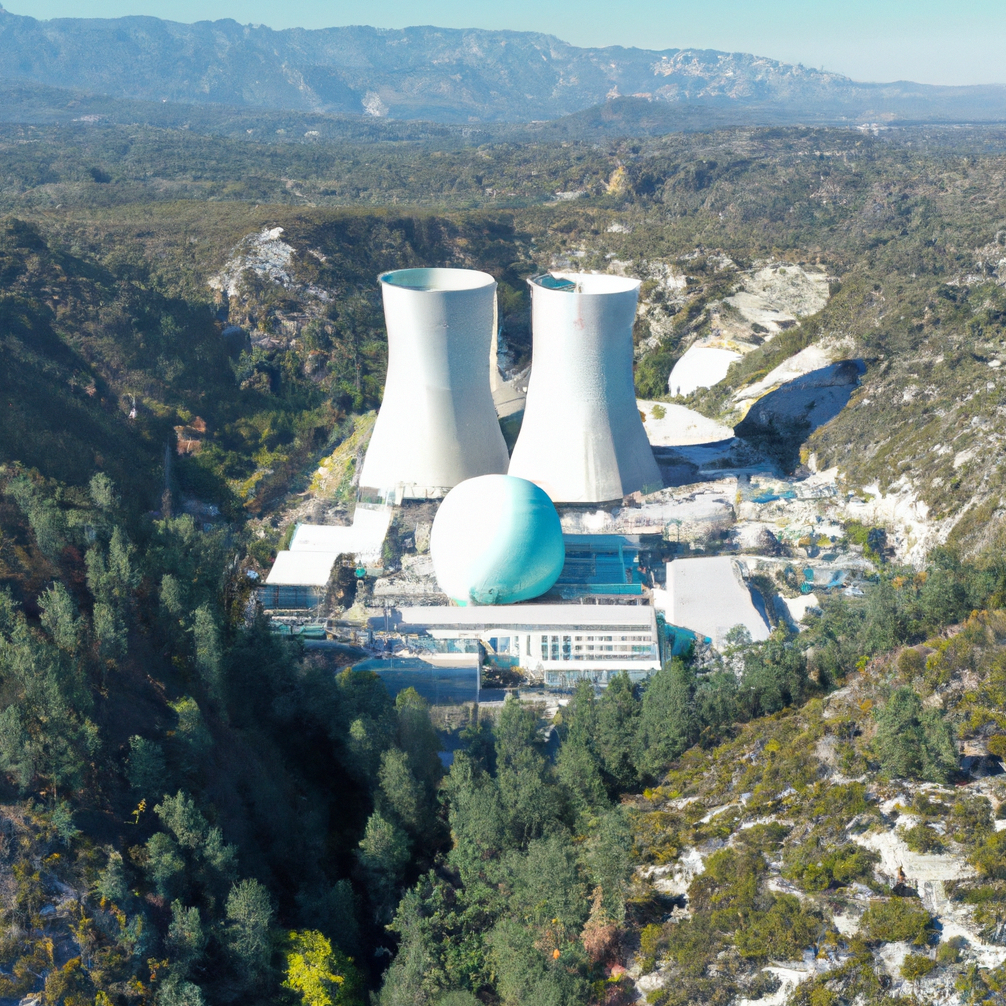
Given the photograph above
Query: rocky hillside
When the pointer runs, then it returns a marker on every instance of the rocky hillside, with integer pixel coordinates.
(447, 75)
(822, 856)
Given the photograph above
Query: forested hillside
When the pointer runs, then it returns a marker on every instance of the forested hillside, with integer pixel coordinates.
(908, 225)
(197, 812)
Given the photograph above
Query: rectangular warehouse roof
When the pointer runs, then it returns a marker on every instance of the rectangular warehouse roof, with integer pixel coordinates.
(301, 569)
(363, 538)
(315, 548)
(709, 596)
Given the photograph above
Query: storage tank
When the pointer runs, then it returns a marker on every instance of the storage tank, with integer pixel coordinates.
(437, 425)
(496, 540)
(582, 439)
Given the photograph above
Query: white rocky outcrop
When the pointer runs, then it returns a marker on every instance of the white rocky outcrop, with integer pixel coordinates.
(270, 257)
(780, 293)
(816, 357)
(669, 425)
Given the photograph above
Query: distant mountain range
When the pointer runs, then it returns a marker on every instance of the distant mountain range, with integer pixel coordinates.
(450, 75)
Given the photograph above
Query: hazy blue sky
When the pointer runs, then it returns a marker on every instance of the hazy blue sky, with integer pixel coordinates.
(935, 41)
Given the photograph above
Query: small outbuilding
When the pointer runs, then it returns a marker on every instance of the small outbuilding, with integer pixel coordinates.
(710, 595)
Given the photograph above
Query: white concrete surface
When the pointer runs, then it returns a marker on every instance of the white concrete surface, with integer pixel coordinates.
(437, 424)
(582, 439)
(708, 595)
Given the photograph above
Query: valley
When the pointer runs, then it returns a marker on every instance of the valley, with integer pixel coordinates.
(201, 810)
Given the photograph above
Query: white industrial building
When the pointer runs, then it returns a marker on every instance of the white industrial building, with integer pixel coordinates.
(300, 574)
(437, 425)
(710, 596)
(582, 439)
(559, 642)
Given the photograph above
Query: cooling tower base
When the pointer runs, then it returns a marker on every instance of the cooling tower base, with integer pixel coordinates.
(395, 495)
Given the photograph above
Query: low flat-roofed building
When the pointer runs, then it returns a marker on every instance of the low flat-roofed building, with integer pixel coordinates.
(562, 642)
(297, 580)
(709, 595)
(300, 574)
(363, 538)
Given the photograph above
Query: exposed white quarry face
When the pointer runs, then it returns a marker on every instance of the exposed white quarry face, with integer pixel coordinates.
(812, 358)
(701, 366)
(777, 294)
(678, 426)
(771, 298)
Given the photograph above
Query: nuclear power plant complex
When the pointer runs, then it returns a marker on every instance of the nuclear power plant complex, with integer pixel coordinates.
(524, 561)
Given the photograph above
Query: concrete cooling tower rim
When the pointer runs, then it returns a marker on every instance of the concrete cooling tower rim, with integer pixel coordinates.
(436, 280)
(588, 283)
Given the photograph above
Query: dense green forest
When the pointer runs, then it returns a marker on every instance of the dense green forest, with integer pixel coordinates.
(199, 812)
(195, 812)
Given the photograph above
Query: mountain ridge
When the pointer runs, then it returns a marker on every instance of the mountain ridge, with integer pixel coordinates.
(442, 74)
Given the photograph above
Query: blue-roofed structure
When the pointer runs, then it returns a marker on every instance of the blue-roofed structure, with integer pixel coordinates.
(601, 564)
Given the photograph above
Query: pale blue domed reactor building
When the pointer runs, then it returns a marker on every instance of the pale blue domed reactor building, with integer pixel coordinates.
(496, 539)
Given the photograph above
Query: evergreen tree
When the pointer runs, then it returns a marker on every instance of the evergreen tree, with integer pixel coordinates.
(249, 915)
(617, 732)
(912, 742)
(668, 721)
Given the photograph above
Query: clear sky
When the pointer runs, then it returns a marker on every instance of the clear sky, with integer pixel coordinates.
(933, 41)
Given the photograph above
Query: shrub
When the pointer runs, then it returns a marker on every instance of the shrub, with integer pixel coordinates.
(949, 951)
(784, 931)
(916, 966)
(817, 869)
(694, 943)
(989, 858)
(922, 838)
(970, 819)
(650, 940)
(897, 920)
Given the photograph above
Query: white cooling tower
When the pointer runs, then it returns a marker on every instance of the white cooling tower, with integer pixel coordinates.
(437, 425)
(582, 439)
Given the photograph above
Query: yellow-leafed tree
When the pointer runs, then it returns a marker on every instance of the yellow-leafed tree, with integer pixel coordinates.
(322, 975)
